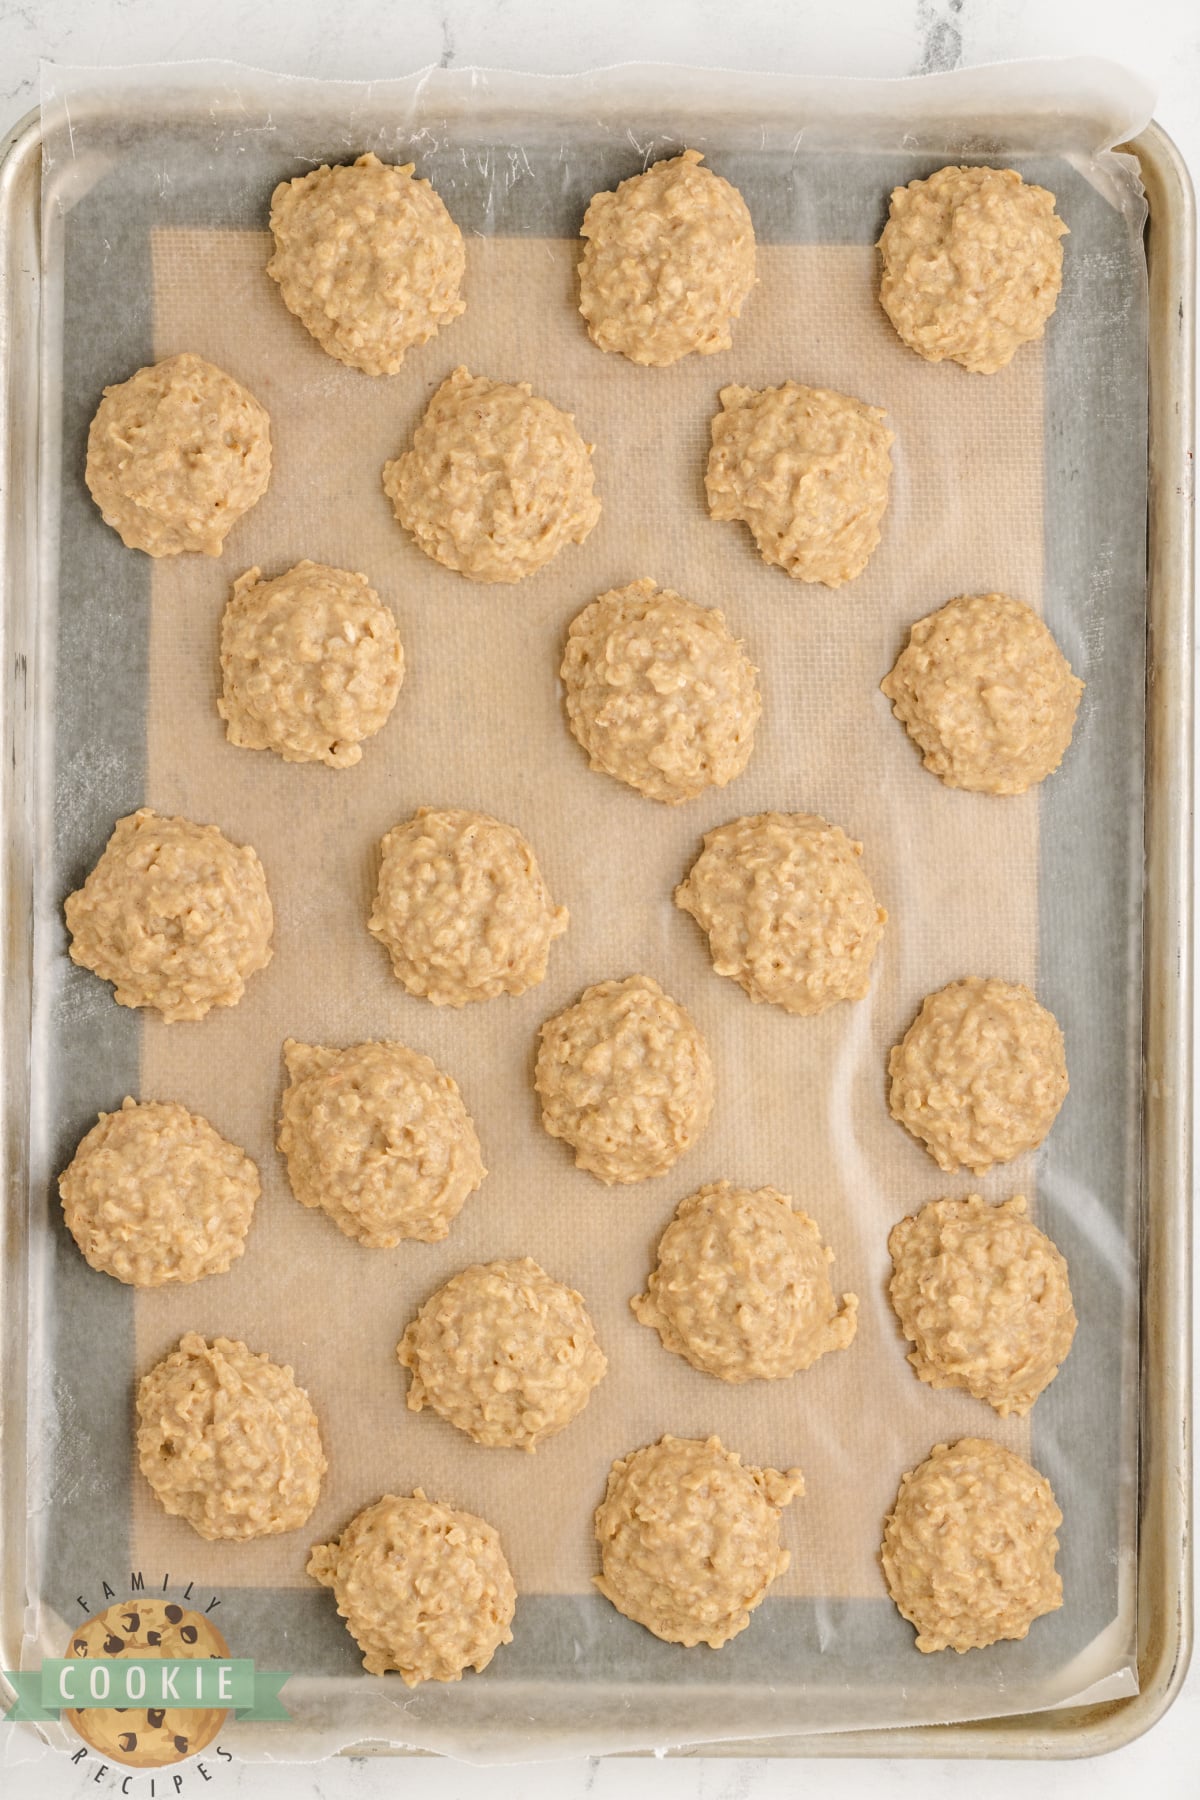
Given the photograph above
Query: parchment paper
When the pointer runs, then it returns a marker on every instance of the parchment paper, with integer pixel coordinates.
(981, 498)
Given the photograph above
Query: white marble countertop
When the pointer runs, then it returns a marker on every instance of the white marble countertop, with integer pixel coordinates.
(359, 38)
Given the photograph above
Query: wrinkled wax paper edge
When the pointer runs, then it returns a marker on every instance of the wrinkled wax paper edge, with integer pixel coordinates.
(1083, 103)
(1080, 107)
(1077, 107)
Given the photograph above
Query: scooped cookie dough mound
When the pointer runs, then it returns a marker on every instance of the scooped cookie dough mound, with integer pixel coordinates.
(155, 1195)
(176, 455)
(504, 1352)
(228, 1441)
(496, 482)
(986, 694)
(789, 914)
(625, 1078)
(312, 664)
(980, 1074)
(984, 1297)
(742, 1287)
(423, 1589)
(462, 908)
(807, 470)
(668, 263)
(368, 259)
(659, 692)
(972, 265)
(689, 1538)
(969, 1548)
(174, 915)
(379, 1138)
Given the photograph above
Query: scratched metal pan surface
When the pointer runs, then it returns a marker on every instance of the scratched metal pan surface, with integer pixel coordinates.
(56, 708)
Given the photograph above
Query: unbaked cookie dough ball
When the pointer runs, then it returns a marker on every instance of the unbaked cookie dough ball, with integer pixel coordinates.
(154, 1195)
(174, 915)
(659, 692)
(176, 455)
(505, 1353)
(980, 1074)
(496, 482)
(311, 663)
(789, 914)
(668, 264)
(423, 1589)
(377, 1137)
(689, 1538)
(625, 1078)
(741, 1288)
(986, 694)
(969, 1548)
(228, 1441)
(984, 1297)
(972, 265)
(807, 470)
(462, 908)
(368, 259)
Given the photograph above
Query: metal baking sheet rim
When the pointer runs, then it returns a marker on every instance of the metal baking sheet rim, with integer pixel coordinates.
(1165, 1496)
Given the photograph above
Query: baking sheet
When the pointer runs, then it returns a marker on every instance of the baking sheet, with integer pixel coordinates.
(991, 489)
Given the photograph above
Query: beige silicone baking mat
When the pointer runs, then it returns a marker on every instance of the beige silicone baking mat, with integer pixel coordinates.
(800, 1102)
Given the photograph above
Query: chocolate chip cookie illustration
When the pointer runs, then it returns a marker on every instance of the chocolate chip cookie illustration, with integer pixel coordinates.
(153, 1737)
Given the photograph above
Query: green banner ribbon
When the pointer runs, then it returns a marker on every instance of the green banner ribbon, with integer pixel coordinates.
(187, 1684)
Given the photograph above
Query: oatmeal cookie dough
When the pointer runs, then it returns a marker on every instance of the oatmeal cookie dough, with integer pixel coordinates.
(496, 482)
(689, 1538)
(154, 1195)
(174, 915)
(668, 264)
(659, 692)
(789, 914)
(505, 1353)
(176, 455)
(423, 1589)
(969, 1548)
(980, 1074)
(741, 1288)
(228, 1441)
(379, 1138)
(972, 265)
(462, 908)
(368, 259)
(626, 1079)
(984, 1297)
(311, 664)
(985, 694)
(807, 470)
